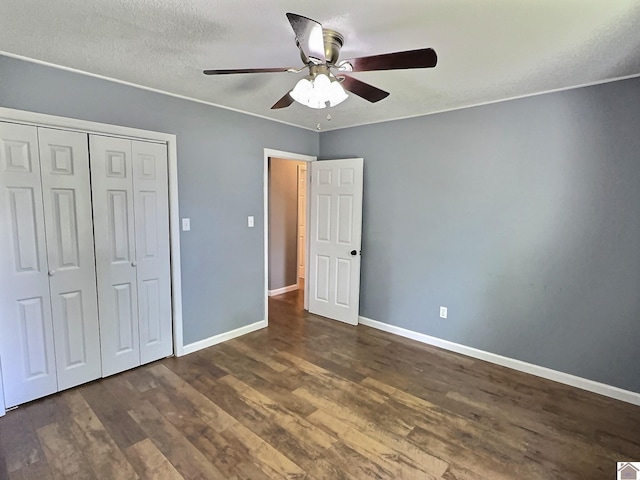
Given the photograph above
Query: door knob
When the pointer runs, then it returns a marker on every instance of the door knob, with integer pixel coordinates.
(134, 263)
(354, 252)
(52, 273)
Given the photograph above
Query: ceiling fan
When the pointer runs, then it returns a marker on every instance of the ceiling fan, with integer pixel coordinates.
(320, 50)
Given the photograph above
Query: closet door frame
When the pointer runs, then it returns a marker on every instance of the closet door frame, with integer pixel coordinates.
(83, 126)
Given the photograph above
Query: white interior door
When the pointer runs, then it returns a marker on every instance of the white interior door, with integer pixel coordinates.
(26, 339)
(335, 238)
(151, 206)
(112, 185)
(64, 164)
(302, 219)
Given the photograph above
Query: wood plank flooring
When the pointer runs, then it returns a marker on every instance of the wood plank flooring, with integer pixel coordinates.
(312, 398)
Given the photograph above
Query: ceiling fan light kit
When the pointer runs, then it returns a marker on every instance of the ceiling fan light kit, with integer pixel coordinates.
(319, 90)
(320, 51)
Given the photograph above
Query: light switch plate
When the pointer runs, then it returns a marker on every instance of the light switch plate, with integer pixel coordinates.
(186, 224)
(250, 221)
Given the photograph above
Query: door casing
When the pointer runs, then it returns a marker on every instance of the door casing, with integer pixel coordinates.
(301, 263)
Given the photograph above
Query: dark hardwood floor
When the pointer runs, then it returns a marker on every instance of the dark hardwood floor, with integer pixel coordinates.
(312, 398)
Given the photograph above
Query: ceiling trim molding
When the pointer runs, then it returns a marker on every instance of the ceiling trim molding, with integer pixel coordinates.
(211, 104)
(149, 89)
(491, 102)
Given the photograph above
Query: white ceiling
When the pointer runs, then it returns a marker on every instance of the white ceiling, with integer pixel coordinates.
(487, 50)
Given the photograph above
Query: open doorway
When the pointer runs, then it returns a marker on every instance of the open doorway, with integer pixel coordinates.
(287, 225)
(334, 218)
(286, 213)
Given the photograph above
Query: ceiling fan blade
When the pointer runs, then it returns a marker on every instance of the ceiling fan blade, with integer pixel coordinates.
(421, 58)
(362, 89)
(308, 37)
(246, 70)
(284, 102)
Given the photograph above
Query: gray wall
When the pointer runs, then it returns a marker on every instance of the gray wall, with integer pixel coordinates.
(522, 217)
(283, 223)
(220, 181)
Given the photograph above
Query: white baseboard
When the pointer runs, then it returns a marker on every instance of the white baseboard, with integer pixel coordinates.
(223, 337)
(280, 291)
(556, 376)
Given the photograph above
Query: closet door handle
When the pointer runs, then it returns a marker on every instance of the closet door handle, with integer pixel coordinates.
(134, 263)
(52, 273)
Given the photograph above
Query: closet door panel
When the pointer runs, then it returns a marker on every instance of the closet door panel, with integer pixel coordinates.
(26, 342)
(114, 226)
(64, 164)
(151, 202)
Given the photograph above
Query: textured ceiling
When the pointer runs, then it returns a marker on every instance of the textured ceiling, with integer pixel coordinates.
(487, 50)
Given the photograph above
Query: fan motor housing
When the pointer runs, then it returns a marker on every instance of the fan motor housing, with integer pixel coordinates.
(333, 42)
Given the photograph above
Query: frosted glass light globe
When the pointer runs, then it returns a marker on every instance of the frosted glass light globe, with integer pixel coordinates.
(316, 92)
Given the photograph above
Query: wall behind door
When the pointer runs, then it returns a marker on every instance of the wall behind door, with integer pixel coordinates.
(283, 223)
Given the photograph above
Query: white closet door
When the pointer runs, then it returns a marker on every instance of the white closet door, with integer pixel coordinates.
(151, 205)
(112, 187)
(26, 340)
(64, 164)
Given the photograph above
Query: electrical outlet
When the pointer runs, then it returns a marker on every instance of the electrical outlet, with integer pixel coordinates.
(186, 224)
(443, 312)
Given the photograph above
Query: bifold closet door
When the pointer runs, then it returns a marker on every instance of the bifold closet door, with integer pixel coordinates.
(26, 339)
(66, 191)
(131, 218)
(151, 206)
(113, 219)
